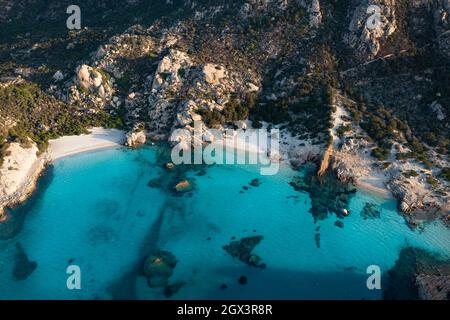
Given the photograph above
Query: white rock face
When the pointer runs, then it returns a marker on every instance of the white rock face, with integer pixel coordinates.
(213, 74)
(90, 79)
(180, 90)
(367, 41)
(19, 173)
(168, 73)
(167, 82)
(135, 139)
(186, 114)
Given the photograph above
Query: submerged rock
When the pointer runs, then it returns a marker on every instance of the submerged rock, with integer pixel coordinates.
(326, 192)
(243, 280)
(170, 166)
(255, 182)
(22, 266)
(183, 186)
(370, 211)
(201, 173)
(242, 250)
(317, 239)
(155, 183)
(158, 268)
(173, 288)
(339, 224)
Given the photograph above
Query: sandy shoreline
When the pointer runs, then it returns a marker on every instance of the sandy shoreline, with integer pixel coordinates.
(98, 138)
(374, 188)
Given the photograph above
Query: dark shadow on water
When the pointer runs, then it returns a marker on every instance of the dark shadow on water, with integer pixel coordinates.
(23, 267)
(124, 287)
(282, 284)
(17, 215)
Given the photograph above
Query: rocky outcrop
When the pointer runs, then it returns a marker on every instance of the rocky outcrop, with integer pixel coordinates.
(93, 81)
(181, 90)
(135, 139)
(19, 173)
(418, 274)
(415, 198)
(326, 160)
(433, 287)
(366, 34)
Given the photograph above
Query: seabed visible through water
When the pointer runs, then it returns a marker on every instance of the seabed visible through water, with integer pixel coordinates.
(108, 211)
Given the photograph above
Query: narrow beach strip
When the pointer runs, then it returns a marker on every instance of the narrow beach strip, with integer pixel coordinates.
(98, 138)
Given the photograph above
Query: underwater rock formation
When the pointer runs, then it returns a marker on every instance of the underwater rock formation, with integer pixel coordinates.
(175, 178)
(370, 211)
(242, 250)
(339, 224)
(326, 192)
(255, 182)
(170, 166)
(23, 267)
(183, 186)
(317, 239)
(242, 280)
(173, 288)
(158, 268)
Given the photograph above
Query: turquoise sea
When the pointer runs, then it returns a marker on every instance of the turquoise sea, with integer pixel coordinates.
(97, 211)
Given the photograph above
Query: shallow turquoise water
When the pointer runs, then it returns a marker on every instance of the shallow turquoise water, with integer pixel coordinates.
(96, 211)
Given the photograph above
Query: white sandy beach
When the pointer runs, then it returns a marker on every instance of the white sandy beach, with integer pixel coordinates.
(98, 138)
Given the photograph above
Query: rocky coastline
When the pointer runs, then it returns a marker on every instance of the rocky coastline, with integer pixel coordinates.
(151, 76)
(15, 192)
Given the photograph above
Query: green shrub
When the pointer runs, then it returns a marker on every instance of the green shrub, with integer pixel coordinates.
(410, 173)
(445, 174)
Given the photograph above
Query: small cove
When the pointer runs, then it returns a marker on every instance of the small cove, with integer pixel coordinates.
(97, 210)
